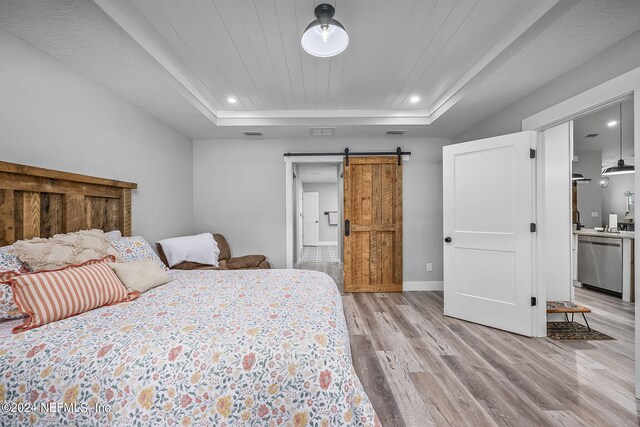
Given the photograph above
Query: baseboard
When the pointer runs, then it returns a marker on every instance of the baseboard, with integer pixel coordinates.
(327, 243)
(435, 285)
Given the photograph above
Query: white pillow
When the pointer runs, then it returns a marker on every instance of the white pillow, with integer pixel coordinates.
(201, 248)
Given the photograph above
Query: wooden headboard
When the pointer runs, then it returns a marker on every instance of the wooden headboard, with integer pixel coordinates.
(37, 202)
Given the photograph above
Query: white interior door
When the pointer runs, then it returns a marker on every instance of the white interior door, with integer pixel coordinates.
(310, 219)
(488, 250)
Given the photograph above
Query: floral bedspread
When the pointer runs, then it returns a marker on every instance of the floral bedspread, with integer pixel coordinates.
(256, 347)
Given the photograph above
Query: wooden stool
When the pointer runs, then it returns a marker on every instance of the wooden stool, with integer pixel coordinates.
(566, 307)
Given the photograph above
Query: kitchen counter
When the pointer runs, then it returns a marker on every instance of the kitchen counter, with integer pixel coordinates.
(592, 232)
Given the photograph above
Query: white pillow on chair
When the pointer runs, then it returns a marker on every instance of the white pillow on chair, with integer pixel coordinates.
(201, 248)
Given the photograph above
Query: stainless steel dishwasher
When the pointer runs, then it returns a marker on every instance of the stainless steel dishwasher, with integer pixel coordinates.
(600, 262)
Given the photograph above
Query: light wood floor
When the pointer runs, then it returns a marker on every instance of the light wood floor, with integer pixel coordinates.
(421, 368)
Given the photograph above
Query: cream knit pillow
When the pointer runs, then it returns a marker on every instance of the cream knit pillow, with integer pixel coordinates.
(63, 250)
(140, 275)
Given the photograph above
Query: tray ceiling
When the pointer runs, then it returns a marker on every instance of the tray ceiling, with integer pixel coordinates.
(180, 61)
(251, 49)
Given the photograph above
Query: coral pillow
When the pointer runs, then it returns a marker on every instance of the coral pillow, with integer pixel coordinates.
(49, 296)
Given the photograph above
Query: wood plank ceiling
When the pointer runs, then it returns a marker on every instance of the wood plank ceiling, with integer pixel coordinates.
(250, 49)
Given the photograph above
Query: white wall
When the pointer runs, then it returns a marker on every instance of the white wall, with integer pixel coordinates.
(554, 212)
(53, 117)
(248, 201)
(589, 164)
(327, 201)
(618, 59)
(613, 199)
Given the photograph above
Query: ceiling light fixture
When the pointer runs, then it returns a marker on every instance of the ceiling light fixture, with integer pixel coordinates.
(414, 99)
(231, 100)
(620, 168)
(612, 123)
(324, 37)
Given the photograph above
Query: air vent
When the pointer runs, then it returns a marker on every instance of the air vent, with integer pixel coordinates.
(396, 132)
(592, 135)
(252, 133)
(322, 131)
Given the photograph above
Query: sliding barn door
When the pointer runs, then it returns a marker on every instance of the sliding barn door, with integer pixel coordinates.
(373, 225)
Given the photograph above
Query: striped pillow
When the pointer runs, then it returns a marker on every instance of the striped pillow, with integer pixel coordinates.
(49, 296)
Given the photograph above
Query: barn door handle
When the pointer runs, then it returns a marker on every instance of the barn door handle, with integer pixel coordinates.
(347, 228)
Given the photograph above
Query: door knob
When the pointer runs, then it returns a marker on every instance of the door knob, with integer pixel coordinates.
(447, 239)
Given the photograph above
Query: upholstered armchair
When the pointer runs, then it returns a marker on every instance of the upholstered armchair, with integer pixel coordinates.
(225, 260)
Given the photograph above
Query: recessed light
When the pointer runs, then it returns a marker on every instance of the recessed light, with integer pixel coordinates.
(612, 123)
(414, 99)
(231, 100)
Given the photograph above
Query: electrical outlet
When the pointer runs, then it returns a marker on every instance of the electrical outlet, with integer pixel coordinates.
(429, 266)
(594, 214)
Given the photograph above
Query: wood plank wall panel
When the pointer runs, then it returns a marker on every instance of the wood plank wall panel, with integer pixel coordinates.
(124, 214)
(51, 214)
(101, 213)
(7, 217)
(95, 212)
(27, 214)
(373, 205)
(73, 215)
(112, 211)
(37, 202)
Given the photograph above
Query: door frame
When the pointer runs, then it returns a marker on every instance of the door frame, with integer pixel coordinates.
(317, 197)
(600, 96)
(289, 214)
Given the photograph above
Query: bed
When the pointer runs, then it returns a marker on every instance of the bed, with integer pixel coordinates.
(255, 347)
(266, 347)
